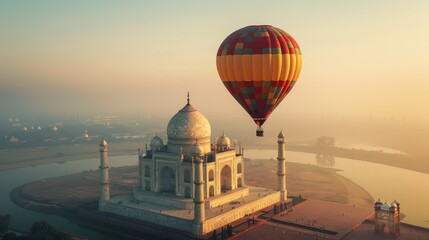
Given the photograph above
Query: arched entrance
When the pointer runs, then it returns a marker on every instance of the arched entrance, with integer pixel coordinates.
(239, 168)
(167, 180)
(187, 176)
(187, 192)
(147, 186)
(211, 175)
(211, 191)
(225, 177)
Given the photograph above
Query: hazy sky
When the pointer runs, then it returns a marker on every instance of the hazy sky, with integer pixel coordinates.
(362, 59)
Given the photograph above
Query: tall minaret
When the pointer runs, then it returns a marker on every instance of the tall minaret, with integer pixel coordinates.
(281, 168)
(199, 213)
(104, 175)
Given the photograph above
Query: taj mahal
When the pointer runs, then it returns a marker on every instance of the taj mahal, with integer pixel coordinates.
(191, 184)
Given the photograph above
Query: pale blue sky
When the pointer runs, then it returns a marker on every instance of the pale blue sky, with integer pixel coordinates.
(362, 59)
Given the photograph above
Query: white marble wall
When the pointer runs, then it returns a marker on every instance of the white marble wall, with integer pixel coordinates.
(164, 220)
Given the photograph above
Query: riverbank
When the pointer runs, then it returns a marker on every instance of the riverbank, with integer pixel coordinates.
(59, 195)
(391, 159)
(25, 157)
(62, 195)
(312, 182)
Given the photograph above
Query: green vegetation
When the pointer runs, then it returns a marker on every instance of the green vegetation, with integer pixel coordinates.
(4, 224)
(40, 230)
(44, 231)
(325, 142)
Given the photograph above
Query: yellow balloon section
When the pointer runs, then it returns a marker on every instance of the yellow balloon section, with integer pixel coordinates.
(259, 65)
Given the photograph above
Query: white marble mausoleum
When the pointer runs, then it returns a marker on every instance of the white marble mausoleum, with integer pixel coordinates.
(191, 184)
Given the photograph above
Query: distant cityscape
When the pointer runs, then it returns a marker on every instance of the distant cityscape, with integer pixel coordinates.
(16, 132)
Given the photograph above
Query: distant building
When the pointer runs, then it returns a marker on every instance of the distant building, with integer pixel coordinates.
(13, 139)
(191, 184)
(387, 217)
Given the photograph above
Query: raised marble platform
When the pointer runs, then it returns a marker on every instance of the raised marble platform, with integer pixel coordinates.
(161, 213)
(169, 199)
(166, 199)
(231, 196)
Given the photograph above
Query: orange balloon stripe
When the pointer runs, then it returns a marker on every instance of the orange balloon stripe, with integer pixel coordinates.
(219, 68)
(298, 60)
(259, 65)
(246, 67)
(230, 67)
(276, 66)
(238, 67)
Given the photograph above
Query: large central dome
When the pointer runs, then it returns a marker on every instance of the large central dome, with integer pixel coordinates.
(188, 123)
(187, 127)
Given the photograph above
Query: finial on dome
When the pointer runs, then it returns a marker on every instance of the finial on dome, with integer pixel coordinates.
(188, 98)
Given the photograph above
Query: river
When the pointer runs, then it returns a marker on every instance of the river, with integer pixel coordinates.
(410, 188)
(390, 183)
(22, 219)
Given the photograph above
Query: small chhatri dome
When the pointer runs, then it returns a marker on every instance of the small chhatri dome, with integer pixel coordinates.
(393, 204)
(385, 206)
(379, 201)
(103, 142)
(156, 142)
(224, 141)
(281, 135)
(197, 150)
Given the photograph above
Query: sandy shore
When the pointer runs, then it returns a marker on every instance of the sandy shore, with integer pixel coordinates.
(17, 158)
(396, 160)
(25, 157)
(59, 195)
(310, 181)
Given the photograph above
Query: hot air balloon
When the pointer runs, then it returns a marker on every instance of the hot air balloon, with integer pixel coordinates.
(259, 65)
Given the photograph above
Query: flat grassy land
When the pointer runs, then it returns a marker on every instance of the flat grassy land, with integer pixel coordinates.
(23, 157)
(309, 181)
(71, 191)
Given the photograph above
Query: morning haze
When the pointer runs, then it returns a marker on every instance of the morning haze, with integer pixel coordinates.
(364, 76)
(116, 108)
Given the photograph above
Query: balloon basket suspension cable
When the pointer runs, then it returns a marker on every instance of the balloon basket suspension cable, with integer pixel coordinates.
(259, 131)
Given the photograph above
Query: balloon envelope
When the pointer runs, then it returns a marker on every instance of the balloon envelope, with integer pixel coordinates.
(259, 65)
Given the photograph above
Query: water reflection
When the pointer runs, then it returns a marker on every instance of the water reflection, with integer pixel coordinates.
(22, 218)
(387, 182)
(325, 160)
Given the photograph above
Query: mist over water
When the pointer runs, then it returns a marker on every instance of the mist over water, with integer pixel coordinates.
(364, 78)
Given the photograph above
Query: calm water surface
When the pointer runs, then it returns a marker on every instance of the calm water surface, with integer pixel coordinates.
(410, 188)
(22, 219)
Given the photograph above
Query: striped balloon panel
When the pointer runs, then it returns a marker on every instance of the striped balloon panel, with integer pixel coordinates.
(259, 65)
(259, 98)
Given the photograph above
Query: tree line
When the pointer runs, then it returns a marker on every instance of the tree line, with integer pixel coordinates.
(40, 230)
